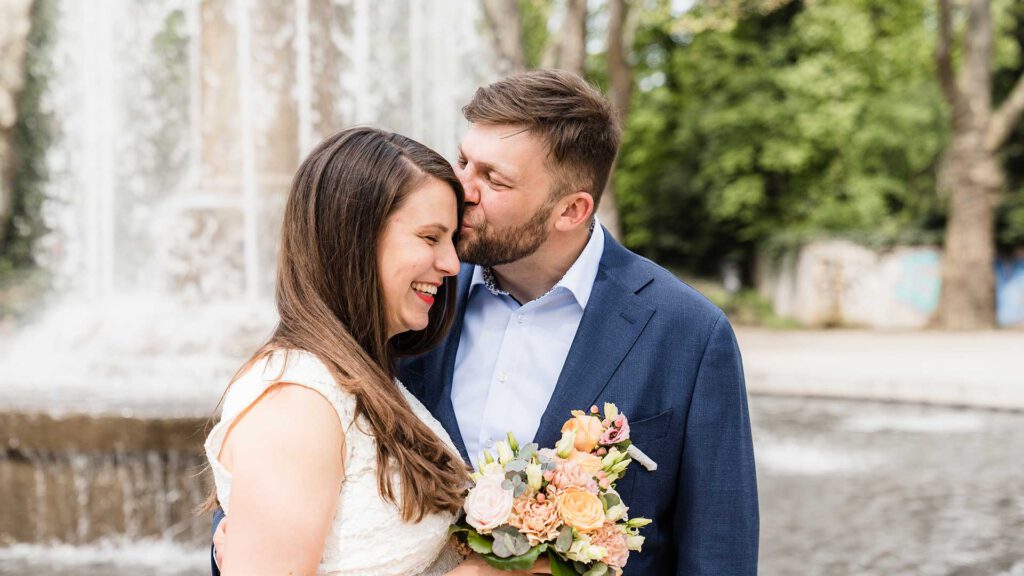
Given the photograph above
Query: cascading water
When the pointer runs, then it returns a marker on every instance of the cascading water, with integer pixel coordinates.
(179, 125)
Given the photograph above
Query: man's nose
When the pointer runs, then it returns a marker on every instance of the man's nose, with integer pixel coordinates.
(472, 192)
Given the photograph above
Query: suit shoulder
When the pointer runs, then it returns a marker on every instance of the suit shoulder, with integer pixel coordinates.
(672, 294)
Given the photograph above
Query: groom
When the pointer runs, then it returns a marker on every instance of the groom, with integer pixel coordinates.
(556, 316)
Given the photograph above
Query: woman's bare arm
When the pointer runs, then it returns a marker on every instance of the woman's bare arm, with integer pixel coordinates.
(285, 455)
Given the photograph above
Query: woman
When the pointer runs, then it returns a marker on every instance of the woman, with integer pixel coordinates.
(323, 462)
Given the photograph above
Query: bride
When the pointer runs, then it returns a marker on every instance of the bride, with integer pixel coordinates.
(322, 460)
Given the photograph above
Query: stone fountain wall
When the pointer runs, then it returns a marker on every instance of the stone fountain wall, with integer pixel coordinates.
(81, 479)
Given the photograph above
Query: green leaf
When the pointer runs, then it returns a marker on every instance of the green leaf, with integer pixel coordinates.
(560, 567)
(520, 562)
(598, 569)
(479, 543)
(509, 542)
(564, 541)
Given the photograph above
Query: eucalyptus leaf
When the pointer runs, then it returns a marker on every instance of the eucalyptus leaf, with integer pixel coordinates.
(509, 542)
(598, 569)
(523, 561)
(516, 466)
(610, 500)
(564, 541)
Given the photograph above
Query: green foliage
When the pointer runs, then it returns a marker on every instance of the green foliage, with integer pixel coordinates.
(534, 15)
(1009, 61)
(817, 119)
(32, 137)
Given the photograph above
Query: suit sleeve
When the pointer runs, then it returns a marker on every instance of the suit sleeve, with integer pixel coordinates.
(716, 508)
(218, 515)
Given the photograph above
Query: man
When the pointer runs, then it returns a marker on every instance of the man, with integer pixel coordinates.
(554, 315)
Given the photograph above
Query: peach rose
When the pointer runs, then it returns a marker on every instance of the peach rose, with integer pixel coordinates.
(488, 504)
(588, 430)
(536, 518)
(580, 509)
(586, 461)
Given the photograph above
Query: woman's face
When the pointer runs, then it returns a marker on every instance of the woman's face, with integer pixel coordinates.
(416, 252)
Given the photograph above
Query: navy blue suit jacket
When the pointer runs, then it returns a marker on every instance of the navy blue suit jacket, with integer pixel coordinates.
(668, 359)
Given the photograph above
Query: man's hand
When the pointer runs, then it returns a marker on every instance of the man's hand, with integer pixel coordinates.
(220, 541)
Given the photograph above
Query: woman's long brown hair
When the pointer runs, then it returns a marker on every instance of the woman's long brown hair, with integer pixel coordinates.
(330, 302)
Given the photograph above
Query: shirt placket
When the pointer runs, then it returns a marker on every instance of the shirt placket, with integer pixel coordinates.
(498, 420)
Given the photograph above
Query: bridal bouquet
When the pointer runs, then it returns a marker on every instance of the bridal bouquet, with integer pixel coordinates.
(561, 502)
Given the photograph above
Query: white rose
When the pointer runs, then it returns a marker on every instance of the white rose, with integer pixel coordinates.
(488, 504)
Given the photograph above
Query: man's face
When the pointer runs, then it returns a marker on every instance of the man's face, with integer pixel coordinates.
(508, 194)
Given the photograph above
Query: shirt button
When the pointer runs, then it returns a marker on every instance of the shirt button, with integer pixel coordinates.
(489, 443)
(503, 378)
(522, 318)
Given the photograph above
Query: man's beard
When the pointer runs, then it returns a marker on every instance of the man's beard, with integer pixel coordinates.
(492, 247)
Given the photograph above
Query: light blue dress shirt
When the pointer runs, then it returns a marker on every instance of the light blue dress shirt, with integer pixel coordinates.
(510, 356)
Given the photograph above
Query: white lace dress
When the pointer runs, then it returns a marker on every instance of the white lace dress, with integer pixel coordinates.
(368, 536)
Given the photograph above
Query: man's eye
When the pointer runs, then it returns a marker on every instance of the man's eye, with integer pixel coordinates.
(461, 162)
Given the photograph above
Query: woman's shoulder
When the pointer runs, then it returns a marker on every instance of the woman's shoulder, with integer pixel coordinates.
(286, 366)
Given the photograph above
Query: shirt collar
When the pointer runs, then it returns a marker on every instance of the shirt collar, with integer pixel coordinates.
(578, 280)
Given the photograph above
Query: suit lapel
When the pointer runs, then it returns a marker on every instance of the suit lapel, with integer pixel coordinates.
(441, 396)
(614, 318)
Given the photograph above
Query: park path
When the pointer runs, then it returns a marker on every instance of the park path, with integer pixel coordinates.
(977, 369)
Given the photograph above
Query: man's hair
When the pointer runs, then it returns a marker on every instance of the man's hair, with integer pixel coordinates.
(577, 124)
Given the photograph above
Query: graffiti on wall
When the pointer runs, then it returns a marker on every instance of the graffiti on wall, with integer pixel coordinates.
(919, 280)
(1010, 292)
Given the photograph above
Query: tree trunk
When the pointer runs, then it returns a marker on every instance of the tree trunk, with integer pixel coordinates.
(971, 171)
(505, 24)
(620, 74)
(16, 16)
(568, 49)
(974, 178)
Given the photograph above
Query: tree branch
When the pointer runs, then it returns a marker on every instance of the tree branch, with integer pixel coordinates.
(1006, 117)
(943, 55)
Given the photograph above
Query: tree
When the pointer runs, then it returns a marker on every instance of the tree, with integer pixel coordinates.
(767, 126)
(972, 173)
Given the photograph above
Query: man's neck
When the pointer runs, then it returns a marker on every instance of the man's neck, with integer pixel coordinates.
(532, 277)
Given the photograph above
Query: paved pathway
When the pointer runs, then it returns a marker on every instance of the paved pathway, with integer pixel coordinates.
(978, 369)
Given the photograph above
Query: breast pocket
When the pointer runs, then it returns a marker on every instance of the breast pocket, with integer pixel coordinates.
(650, 428)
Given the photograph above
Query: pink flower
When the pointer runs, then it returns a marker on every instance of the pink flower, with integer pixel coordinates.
(538, 518)
(619, 432)
(612, 539)
(570, 475)
(488, 504)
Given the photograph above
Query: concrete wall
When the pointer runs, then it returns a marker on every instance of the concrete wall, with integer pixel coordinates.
(840, 283)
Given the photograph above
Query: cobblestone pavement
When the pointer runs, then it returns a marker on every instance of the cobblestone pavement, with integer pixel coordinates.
(875, 489)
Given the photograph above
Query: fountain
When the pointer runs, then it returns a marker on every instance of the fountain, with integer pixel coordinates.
(179, 126)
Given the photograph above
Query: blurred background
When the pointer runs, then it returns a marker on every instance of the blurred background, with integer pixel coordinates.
(845, 178)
